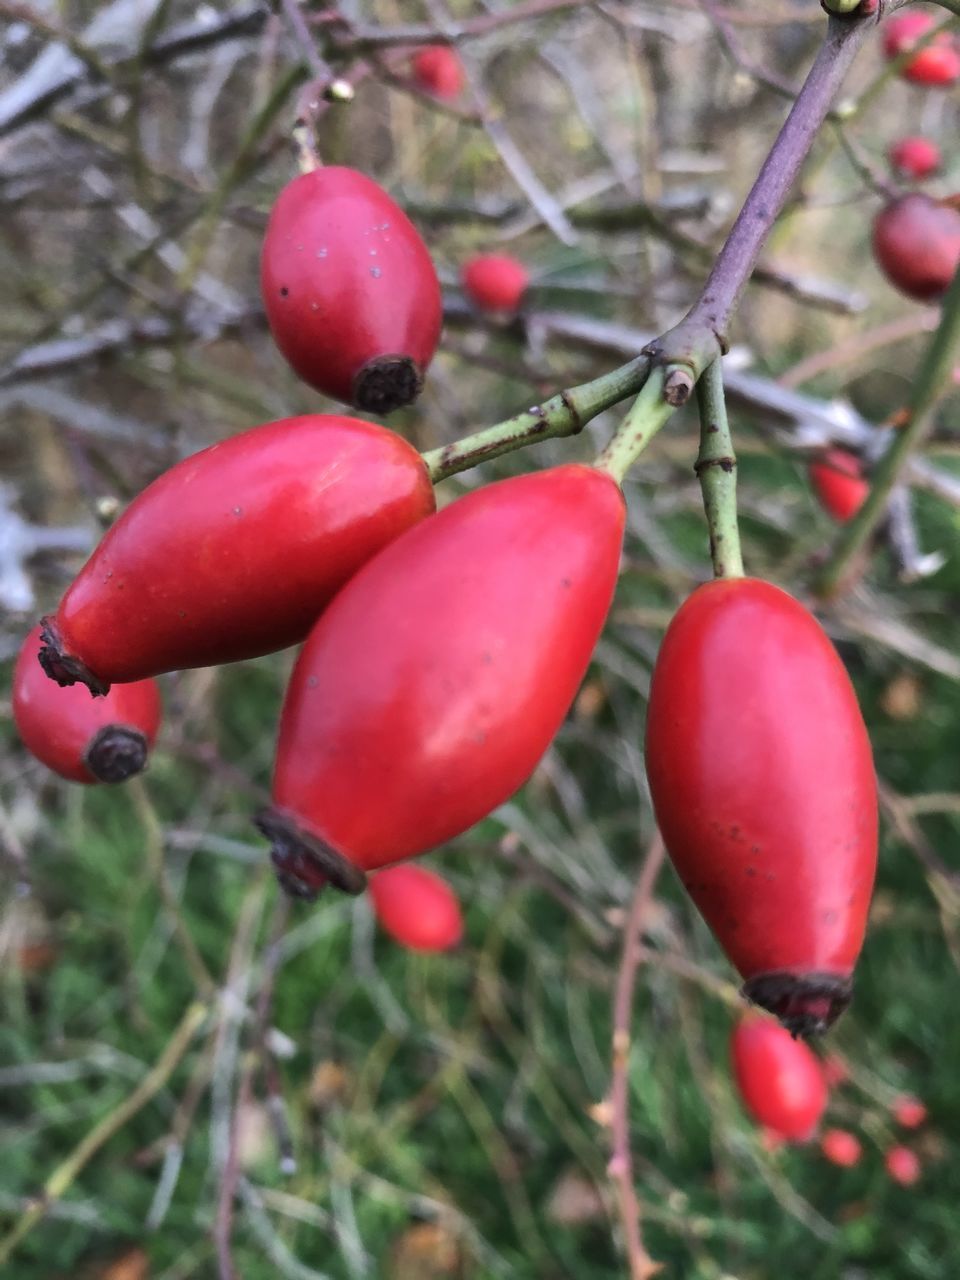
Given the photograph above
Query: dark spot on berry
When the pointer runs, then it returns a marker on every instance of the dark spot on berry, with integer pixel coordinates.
(284, 291)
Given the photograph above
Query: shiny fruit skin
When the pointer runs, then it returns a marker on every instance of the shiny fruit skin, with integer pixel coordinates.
(909, 1112)
(763, 784)
(234, 552)
(915, 157)
(779, 1078)
(438, 70)
(61, 726)
(428, 692)
(839, 484)
(916, 242)
(495, 281)
(417, 908)
(936, 64)
(350, 290)
(903, 1166)
(841, 1148)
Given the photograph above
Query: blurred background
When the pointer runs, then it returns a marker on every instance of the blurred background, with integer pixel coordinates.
(384, 1113)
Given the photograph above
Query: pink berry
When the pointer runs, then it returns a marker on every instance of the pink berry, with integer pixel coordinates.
(841, 1147)
(495, 282)
(909, 1112)
(903, 1166)
(915, 157)
(438, 70)
(417, 908)
(936, 64)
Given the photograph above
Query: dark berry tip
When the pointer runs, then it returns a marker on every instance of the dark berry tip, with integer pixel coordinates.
(304, 863)
(63, 667)
(387, 383)
(116, 753)
(807, 1004)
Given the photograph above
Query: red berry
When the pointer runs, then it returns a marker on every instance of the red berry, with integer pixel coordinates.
(909, 1112)
(438, 70)
(495, 282)
(841, 1147)
(429, 690)
(234, 552)
(915, 157)
(936, 64)
(835, 1071)
(916, 242)
(417, 908)
(82, 738)
(763, 784)
(838, 482)
(779, 1078)
(903, 1166)
(350, 289)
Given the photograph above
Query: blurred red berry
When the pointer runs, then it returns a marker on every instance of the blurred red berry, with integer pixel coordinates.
(841, 1147)
(909, 1112)
(780, 1079)
(417, 908)
(838, 482)
(916, 242)
(936, 64)
(835, 1071)
(915, 157)
(903, 1166)
(495, 282)
(438, 70)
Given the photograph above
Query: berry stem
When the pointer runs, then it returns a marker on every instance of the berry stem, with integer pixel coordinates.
(565, 414)
(716, 469)
(649, 412)
(932, 380)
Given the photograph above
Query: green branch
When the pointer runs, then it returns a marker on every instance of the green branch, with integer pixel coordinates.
(716, 470)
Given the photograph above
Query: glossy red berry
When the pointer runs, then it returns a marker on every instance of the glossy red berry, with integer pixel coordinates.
(916, 242)
(838, 482)
(938, 63)
(235, 551)
(909, 1112)
(350, 289)
(429, 690)
(779, 1078)
(417, 908)
(763, 784)
(841, 1148)
(903, 1166)
(495, 281)
(84, 739)
(438, 70)
(915, 157)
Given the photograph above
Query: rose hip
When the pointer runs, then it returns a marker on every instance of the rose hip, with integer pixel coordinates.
(417, 908)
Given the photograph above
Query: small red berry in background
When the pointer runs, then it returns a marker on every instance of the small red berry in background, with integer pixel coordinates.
(779, 1078)
(82, 738)
(350, 290)
(915, 157)
(916, 242)
(936, 64)
(909, 1112)
(841, 1147)
(495, 282)
(835, 1071)
(903, 1166)
(838, 482)
(417, 908)
(438, 70)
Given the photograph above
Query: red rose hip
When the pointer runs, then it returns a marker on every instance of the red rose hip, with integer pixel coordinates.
(916, 242)
(763, 784)
(838, 482)
(841, 1148)
(84, 739)
(903, 1166)
(433, 684)
(350, 290)
(779, 1078)
(495, 282)
(909, 1112)
(938, 63)
(438, 70)
(417, 908)
(235, 551)
(915, 157)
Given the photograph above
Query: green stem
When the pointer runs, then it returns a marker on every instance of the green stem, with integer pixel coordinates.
(648, 413)
(564, 414)
(716, 469)
(931, 381)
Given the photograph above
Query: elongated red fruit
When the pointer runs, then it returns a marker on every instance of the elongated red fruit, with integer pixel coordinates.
(83, 739)
(429, 690)
(417, 908)
(235, 551)
(350, 289)
(838, 482)
(779, 1078)
(495, 281)
(916, 242)
(764, 788)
